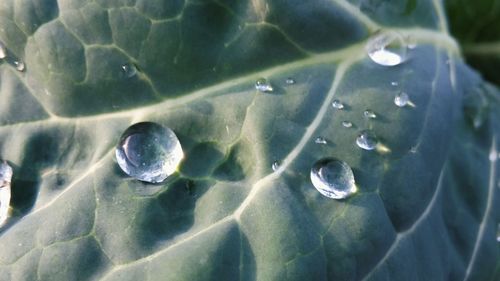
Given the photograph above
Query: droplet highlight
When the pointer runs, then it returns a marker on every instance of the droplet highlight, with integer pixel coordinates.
(5, 179)
(387, 48)
(129, 70)
(367, 140)
(262, 85)
(276, 165)
(337, 105)
(401, 99)
(333, 178)
(320, 140)
(3, 51)
(369, 114)
(149, 152)
(394, 83)
(20, 66)
(290, 81)
(346, 124)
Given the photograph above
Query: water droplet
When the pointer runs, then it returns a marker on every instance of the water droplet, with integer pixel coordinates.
(401, 99)
(3, 51)
(20, 66)
(412, 42)
(5, 179)
(387, 48)
(275, 166)
(498, 233)
(333, 178)
(129, 70)
(320, 140)
(369, 114)
(290, 81)
(263, 86)
(394, 83)
(149, 152)
(337, 105)
(347, 124)
(367, 140)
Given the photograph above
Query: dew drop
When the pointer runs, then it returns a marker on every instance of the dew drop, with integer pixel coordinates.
(3, 51)
(401, 99)
(387, 48)
(5, 179)
(129, 70)
(320, 140)
(262, 85)
(367, 140)
(337, 105)
(290, 81)
(149, 152)
(347, 124)
(333, 178)
(394, 83)
(20, 66)
(276, 165)
(369, 114)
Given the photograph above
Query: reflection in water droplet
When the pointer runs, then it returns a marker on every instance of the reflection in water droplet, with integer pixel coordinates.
(275, 166)
(401, 99)
(369, 114)
(367, 140)
(337, 104)
(387, 48)
(347, 124)
(263, 86)
(149, 152)
(3, 51)
(333, 178)
(320, 140)
(19, 65)
(290, 81)
(129, 70)
(5, 179)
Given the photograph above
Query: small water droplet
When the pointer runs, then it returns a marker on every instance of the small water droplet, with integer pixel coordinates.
(401, 99)
(387, 48)
(5, 179)
(369, 114)
(498, 233)
(149, 152)
(394, 83)
(262, 85)
(412, 42)
(347, 124)
(20, 66)
(320, 140)
(367, 140)
(290, 81)
(333, 178)
(275, 166)
(3, 51)
(129, 70)
(337, 105)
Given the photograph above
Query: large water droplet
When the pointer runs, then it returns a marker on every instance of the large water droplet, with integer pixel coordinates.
(20, 66)
(337, 105)
(129, 70)
(320, 140)
(401, 99)
(276, 165)
(387, 48)
(347, 124)
(369, 114)
(333, 178)
(367, 140)
(262, 85)
(3, 51)
(5, 179)
(149, 152)
(290, 81)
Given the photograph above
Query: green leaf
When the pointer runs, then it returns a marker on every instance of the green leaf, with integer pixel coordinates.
(425, 207)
